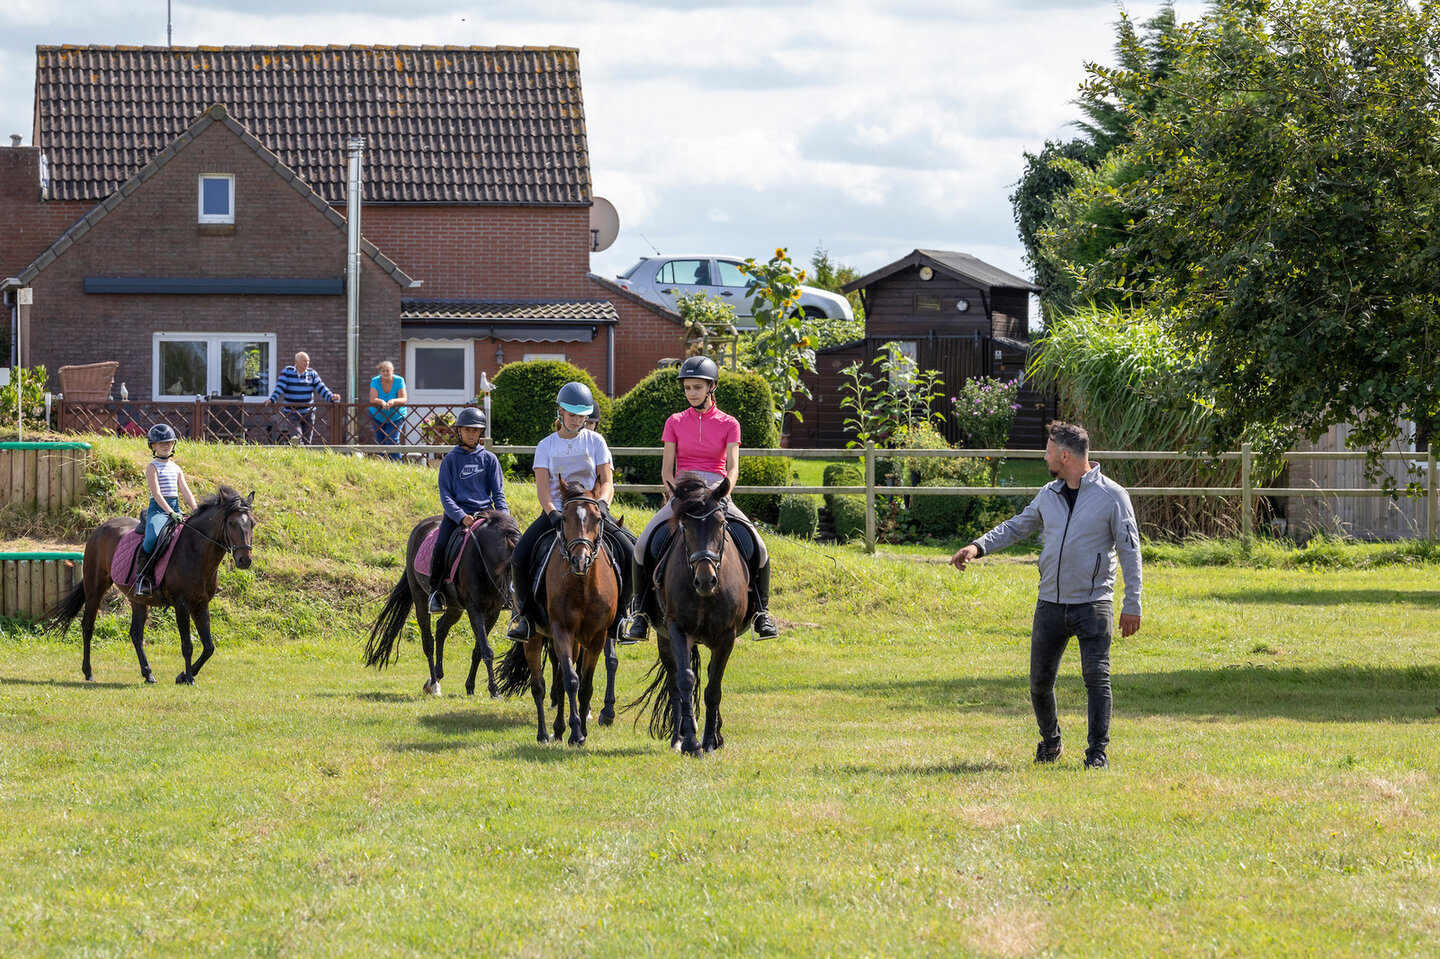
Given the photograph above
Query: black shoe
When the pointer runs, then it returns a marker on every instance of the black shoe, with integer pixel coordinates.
(520, 629)
(437, 601)
(1047, 752)
(1096, 761)
(635, 631)
(764, 625)
(142, 586)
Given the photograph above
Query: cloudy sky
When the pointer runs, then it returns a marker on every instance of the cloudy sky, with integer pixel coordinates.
(872, 127)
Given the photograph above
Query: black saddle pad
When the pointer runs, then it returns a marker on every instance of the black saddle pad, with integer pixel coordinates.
(739, 532)
(540, 560)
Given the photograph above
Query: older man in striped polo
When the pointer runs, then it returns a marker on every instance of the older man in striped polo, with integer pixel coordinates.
(298, 385)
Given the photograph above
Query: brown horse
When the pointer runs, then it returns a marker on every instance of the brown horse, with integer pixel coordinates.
(480, 587)
(221, 524)
(582, 597)
(703, 601)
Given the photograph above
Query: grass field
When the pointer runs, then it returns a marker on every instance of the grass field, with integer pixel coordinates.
(1274, 789)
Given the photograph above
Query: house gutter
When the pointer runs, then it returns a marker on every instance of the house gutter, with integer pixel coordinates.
(352, 270)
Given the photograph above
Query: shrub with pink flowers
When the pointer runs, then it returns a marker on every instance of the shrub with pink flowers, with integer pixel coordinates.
(983, 411)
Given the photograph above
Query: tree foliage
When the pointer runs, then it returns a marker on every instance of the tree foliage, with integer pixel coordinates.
(1290, 174)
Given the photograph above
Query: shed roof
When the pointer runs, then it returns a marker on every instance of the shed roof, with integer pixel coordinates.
(493, 125)
(956, 264)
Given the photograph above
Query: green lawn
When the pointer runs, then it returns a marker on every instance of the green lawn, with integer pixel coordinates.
(1275, 787)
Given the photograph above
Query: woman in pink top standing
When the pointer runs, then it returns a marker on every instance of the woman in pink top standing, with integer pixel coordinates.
(702, 440)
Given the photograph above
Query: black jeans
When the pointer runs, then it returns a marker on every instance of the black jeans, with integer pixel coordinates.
(1090, 624)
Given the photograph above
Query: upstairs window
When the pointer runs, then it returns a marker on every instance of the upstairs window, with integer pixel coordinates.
(217, 198)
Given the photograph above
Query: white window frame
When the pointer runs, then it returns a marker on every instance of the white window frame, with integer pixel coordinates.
(212, 361)
(420, 396)
(216, 217)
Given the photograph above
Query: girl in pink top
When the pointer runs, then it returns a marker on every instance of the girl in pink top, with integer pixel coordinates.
(706, 441)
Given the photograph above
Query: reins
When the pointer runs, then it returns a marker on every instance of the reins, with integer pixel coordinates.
(230, 550)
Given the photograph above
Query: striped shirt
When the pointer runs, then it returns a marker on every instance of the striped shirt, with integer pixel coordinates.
(167, 477)
(297, 387)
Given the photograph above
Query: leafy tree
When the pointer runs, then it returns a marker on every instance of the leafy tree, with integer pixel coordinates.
(1291, 171)
(826, 274)
(781, 349)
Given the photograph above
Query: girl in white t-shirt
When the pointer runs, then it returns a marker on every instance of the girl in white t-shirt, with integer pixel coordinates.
(579, 455)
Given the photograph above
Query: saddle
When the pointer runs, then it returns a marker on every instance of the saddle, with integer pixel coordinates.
(426, 553)
(127, 550)
(662, 539)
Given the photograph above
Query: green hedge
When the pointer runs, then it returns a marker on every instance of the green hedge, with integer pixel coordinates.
(840, 474)
(941, 515)
(763, 471)
(848, 515)
(639, 418)
(799, 515)
(522, 405)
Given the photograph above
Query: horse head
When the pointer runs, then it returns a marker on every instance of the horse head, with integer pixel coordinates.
(699, 512)
(581, 523)
(227, 519)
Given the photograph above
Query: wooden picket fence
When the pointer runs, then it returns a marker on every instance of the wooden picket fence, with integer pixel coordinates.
(44, 477)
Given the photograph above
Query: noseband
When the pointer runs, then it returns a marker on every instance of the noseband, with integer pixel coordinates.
(589, 545)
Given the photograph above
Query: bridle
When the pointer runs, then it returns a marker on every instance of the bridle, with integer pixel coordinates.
(703, 555)
(226, 545)
(591, 546)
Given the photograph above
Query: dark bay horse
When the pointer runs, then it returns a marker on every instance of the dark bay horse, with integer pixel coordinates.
(481, 586)
(221, 524)
(703, 600)
(582, 597)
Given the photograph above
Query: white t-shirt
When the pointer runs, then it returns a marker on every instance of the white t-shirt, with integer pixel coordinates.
(576, 460)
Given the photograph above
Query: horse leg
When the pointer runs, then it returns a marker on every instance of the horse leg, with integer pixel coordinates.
(138, 612)
(612, 665)
(431, 642)
(684, 690)
(588, 661)
(565, 649)
(201, 615)
(718, 658)
(87, 627)
(481, 626)
(182, 624)
(535, 656)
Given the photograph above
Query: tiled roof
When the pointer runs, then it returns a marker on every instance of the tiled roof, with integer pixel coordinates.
(959, 264)
(505, 311)
(499, 125)
(216, 114)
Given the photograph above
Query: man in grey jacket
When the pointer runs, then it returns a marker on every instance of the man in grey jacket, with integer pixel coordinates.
(1084, 519)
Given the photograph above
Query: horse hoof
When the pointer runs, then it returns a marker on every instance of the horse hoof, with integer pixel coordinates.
(607, 717)
(469, 690)
(184, 679)
(149, 676)
(432, 689)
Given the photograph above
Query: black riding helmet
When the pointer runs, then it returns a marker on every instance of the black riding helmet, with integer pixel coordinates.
(470, 416)
(700, 368)
(161, 433)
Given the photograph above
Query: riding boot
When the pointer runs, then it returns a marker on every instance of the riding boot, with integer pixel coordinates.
(142, 578)
(437, 581)
(763, 624)
(639, 626)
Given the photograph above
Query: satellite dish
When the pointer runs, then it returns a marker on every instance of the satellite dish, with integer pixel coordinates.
(604, 224)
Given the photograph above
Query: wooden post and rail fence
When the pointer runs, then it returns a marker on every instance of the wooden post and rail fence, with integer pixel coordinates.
(49, 477)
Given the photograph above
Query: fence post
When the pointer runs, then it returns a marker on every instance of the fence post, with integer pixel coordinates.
(1432, 496)
(869, 496)
(197, 419)
(1247, 496)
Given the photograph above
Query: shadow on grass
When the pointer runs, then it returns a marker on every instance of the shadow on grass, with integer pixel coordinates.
(68, 683)
(1331, 597)
(956, 768)
(1326, 694)
(461, 721)
(557, 752)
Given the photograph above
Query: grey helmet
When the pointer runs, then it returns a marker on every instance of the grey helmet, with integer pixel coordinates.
(161, 433)
(576, 398)
(699, 368)
(470, 416)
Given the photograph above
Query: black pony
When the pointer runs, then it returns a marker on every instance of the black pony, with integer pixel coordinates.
(222, 523)
(703, 601)
(480, 587)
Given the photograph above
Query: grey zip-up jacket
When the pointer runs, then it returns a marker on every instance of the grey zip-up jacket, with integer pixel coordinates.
(1078, 551)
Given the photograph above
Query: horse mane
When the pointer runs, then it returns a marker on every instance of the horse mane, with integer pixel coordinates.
(502, 522)
(224, 499)
(691, 492)
(571, 490)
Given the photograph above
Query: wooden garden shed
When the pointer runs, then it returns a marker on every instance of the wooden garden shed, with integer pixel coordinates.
(952, 313)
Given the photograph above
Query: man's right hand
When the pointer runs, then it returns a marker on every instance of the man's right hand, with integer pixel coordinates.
(963, 556)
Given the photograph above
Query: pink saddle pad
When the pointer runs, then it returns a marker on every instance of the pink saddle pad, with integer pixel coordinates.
(425, 555)
(120, 564)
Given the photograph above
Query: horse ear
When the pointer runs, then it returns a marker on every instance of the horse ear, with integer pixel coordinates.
(250, 500)
(724, 488)
(670, 486)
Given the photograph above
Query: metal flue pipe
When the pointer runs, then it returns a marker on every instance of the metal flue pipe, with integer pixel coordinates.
(356, 148)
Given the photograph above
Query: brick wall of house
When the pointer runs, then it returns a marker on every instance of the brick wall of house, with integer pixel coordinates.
(154, 233)
(28, 225)
(486, 252)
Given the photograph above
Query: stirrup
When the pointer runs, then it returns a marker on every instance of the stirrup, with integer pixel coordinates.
(764, 619)
(520, 629)
(142, 586)
(637, 630)
(437, 601)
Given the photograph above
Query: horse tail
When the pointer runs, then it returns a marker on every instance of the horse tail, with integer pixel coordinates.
(62, 614)
(512, 676)
(659, 699)
(380, 650)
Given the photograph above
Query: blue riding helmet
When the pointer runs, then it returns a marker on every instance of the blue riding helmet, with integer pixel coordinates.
(161, 433)
(576, 398)
(470, 416)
